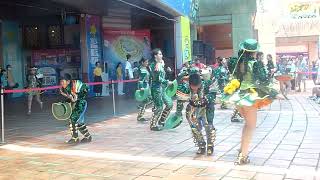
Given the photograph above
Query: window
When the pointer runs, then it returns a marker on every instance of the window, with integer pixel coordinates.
(31, 37)
(54, 36)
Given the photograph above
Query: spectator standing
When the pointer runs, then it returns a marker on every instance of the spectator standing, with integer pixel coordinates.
(293, 70)
(11, 84)
(260, 56)
(119, 78)
(33, 82)
(198, 64)
(270, 66)
(97, 78)
(128, 76)
(314, 72)
(135, 70)
(318, 69)
(302, 68)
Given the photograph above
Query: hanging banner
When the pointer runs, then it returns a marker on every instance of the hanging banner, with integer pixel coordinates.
(189, 8)
(119, 43)
(186, 39)
(93, 30)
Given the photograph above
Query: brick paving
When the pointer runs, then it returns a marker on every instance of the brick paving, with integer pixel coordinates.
(285, 146)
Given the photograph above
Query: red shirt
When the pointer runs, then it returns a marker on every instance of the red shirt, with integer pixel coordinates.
(216, 65)
(199, 65)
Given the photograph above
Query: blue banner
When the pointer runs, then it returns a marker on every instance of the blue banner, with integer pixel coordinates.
(93, 28)
(189, 8)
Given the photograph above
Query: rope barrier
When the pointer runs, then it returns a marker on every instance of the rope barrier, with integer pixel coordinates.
(57, 87)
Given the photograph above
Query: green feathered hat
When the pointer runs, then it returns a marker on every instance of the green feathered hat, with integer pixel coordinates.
(61, 111)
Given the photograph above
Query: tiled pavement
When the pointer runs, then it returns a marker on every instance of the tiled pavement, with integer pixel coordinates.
(286, 145)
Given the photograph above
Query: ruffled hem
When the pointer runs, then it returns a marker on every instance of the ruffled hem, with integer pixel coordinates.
(239, 98)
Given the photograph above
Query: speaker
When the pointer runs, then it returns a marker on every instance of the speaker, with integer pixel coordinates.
(198, 48)
(209, 53)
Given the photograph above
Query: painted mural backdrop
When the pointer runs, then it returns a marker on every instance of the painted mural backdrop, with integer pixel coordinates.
(12, 51)
(119, 43)
(93, 28)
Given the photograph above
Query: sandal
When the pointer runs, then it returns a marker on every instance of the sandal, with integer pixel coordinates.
(242, 160)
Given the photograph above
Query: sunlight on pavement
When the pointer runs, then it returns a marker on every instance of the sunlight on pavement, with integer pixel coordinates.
(146, 159)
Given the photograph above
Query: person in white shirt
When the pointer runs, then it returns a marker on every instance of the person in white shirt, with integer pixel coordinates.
(128, 76)
(129, 70)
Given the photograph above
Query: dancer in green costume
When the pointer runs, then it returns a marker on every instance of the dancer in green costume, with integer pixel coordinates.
(200, 111)
(143, 93)
(159, 96)
(75, 93)
(221, 75)
(250, 89)
(175, 119)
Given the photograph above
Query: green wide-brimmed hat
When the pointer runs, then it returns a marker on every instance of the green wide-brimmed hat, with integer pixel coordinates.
(172, 89)
(142, 95)
(173, 121)
(250, 45)
(61, 111)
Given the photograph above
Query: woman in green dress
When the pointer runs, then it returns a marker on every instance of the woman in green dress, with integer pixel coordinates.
(249, 89)
(143, 88)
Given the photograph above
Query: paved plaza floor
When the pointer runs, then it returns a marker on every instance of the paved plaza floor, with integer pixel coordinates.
(286, 145)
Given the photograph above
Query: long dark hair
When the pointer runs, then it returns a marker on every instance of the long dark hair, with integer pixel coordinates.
(245, 57)
(119, 64)
(155, 52)
(144, 60)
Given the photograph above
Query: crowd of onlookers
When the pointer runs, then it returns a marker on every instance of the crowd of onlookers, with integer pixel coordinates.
(298, 69)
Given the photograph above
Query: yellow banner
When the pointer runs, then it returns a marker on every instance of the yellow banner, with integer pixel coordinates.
(186, 38)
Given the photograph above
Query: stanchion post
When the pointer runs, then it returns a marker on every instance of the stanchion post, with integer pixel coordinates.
(2, 116)
(113, 99)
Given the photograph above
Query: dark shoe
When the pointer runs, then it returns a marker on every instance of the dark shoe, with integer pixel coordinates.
(86, 139)
(73, 141)
(223, 107)
(235, 120)
(177, 124)
(201, 150)
(161, 123)
(142, 119)
(242, 160)
(156, 128)
(210, 150)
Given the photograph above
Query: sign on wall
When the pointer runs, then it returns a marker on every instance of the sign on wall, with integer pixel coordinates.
(304, 10)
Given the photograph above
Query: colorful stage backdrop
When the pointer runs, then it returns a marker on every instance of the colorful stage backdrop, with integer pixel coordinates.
(119, 43)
